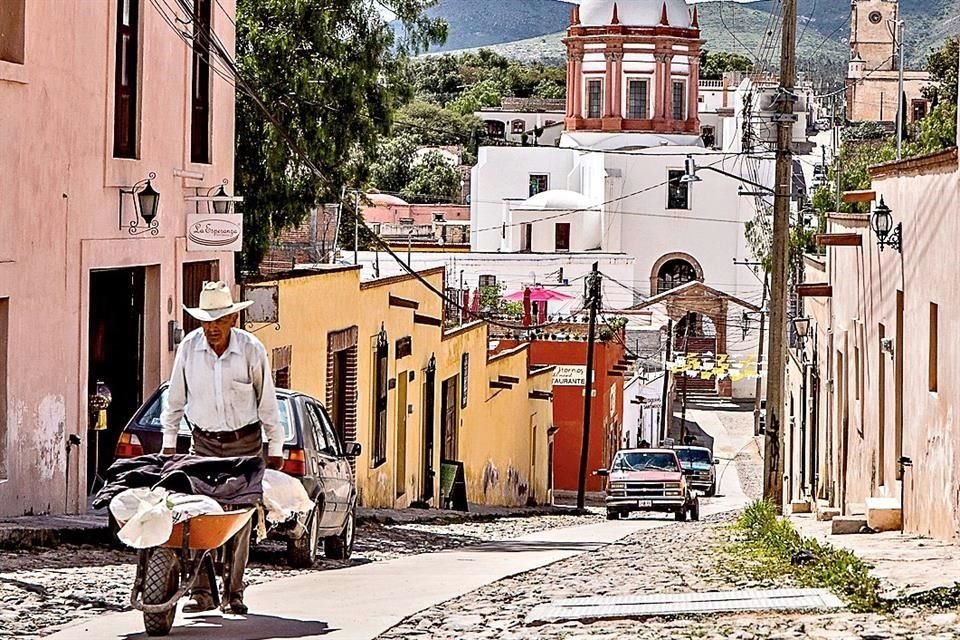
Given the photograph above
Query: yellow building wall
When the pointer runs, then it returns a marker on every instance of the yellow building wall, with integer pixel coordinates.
(502, 434)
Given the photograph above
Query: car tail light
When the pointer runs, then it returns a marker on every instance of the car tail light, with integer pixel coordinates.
(129, 446)
(294, 462)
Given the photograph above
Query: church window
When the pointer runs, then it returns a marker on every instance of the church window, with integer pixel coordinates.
(594, 98)
(539, 182)
(679, 102)
(637, 100)
(678, 192)
(673, 274)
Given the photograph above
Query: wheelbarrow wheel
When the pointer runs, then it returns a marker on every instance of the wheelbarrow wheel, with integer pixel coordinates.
(160, 582)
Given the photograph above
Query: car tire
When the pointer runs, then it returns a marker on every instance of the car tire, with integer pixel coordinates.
(680, 515)
(340, 547)
(613, 515)
(712, 491)
(695, 510)
(302, 551)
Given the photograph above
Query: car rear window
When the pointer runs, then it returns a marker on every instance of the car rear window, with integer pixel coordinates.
(644, 461)
(150, 418)
(694, 455)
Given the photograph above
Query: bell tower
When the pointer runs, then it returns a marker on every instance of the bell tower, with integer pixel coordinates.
(872, 28)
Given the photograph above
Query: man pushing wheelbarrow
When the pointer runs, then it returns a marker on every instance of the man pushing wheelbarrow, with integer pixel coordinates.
(221, 383)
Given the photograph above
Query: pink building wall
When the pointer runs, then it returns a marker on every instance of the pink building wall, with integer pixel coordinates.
(880, 405)
(420, 213)
(59, 223)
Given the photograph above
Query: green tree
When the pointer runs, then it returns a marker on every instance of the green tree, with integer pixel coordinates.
(483, 94)
(332, 75)
(714, 65)
(433, 179)
(942, 67)
(394, 167)
(550, 89)
(432, 125)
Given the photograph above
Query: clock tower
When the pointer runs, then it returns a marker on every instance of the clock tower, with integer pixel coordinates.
(872, 28)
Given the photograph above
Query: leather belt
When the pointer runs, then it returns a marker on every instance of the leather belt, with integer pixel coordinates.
(229, 436)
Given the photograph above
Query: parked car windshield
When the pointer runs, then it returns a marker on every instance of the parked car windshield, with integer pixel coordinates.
(691, 456)
(644, 461)
(150, 419)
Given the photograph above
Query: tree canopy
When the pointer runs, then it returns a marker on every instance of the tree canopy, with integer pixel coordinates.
(332, 75)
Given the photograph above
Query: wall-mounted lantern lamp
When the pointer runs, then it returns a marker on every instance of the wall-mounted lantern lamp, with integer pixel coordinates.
(802, 327)
(146, 201)
(432, 364)
(382, 337)
(882, 223)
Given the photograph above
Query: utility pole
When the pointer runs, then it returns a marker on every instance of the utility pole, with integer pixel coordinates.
(593, 293)
(763, 323)
(336, 231)
(836, 153)
(773, 449)
(900, 115)
(664, 414)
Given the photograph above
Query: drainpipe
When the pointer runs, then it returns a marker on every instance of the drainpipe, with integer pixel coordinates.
(904, 462)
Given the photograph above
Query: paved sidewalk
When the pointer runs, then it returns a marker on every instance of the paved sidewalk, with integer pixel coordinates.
(906, 564)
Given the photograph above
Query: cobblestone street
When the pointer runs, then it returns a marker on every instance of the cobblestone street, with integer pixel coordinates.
(48, 587)
(675, 558)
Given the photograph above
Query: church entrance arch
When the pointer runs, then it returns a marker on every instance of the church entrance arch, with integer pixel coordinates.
(672, 271)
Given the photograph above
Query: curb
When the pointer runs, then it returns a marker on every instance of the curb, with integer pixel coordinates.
(50, 531)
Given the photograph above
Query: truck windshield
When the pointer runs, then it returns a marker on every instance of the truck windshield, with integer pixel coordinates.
(700, 456)
(644, 461)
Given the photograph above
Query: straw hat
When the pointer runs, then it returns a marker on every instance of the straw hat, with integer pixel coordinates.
(216, 302)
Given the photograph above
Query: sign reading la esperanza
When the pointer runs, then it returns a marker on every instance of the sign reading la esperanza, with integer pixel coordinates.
(214, 232)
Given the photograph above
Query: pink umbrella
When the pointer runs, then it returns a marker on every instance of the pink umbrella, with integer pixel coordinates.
(538, 294)
(475, 306)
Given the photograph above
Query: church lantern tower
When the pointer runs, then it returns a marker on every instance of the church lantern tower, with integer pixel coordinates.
(633, 66)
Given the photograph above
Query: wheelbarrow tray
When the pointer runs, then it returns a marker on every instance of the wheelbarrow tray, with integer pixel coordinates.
(209, 531)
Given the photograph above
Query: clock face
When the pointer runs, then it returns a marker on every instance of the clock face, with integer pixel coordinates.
(875, 17)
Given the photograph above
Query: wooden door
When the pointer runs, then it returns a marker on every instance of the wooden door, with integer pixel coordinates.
(400, 475)
(450, 418)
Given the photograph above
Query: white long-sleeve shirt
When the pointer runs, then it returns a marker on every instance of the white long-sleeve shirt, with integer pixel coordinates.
(222, 393)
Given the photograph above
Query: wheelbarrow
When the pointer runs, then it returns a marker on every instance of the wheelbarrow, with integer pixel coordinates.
(167, 572)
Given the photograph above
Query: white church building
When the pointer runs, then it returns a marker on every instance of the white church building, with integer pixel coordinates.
(615, 184)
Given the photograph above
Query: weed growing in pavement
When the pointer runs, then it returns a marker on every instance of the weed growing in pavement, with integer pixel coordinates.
(766, 546)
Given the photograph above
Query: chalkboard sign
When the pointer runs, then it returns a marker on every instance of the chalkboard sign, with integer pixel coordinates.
(453, 485)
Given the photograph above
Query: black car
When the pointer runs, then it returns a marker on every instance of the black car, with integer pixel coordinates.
(312, 452)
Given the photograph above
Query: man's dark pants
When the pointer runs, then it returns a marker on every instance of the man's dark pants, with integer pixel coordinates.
(238, 549)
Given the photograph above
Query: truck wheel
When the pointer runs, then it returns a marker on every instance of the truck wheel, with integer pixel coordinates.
(680, 515)
(695, 510)
(613, 515)
(160, 582)
(712, 491)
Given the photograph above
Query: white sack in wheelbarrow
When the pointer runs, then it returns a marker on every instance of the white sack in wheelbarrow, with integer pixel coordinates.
(284, 497)
(149, 514)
